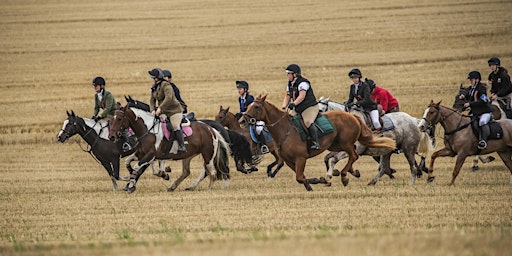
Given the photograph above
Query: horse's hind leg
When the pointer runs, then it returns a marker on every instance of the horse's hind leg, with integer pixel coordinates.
(474, 167)
(110, 170)
(160, 171)
(352, 157)
(506, 158)
(200, 178)
(184, 174)
(384, 165)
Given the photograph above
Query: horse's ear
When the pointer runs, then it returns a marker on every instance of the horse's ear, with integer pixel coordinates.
(227, 109)
(126, 98)
(220, 108)
(461, 86)
(264, 97)
(72, 113)
(439, 103)
(67, 112)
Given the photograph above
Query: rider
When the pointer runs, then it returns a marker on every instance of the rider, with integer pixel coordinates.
(300, 99)
(361, 92)
(168, 78)
(105, 100)
(244, 100)
(383, 98)
(480, 107)
(501, 88)
(163, 94)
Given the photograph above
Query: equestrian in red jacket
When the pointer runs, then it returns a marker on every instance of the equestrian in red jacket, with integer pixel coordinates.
(384, 98)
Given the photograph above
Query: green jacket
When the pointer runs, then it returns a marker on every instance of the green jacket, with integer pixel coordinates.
(167, 101)
(108, 104)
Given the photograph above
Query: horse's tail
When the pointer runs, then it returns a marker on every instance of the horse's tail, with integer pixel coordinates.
(367, 138)
(222, 151)
(425, 147)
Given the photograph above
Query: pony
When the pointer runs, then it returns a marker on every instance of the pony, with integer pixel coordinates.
(406, 133)
(497, 113)
(238, 144)
(460, 141)
(204, 141)
(228, 119)
(101, 149)
(348, 129)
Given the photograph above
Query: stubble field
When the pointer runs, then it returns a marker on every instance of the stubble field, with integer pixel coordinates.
(56, 199)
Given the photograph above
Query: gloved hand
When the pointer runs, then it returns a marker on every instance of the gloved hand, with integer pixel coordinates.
(349, 105)
(291, 105)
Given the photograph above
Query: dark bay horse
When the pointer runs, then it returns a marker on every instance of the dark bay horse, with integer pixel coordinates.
(228, 119)
(408, 137)
(497, 113)
(204, 141)
(106, 152)
(348, 129)
(460, 141)
(239, 145)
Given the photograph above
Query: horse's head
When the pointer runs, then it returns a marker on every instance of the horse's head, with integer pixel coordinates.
(431, 117)
(119, 123)
(255, 112)
(222, 116)
(458, 103)
(69, 127)
(323, 104)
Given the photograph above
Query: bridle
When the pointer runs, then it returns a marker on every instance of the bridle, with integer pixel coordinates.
(439, 119)
(252, 120)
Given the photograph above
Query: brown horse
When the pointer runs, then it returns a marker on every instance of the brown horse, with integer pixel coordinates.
(204, 140)
(459, 139)
(228, 119)
(348, 129)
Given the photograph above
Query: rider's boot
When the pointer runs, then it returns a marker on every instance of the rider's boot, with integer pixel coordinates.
(181, 141)
(126, 144)
(263, 141)
(485, 131)
(314, 137)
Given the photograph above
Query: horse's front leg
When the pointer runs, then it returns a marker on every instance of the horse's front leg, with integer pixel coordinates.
(139, 169)
(128, 165)
(440, 153)
(299, 165)
(458, 165)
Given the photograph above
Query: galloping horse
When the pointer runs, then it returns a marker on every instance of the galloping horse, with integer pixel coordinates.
(406, 133)
(228, 119)
(497, 113)
(103, 150)
(348, 129)
(460, 141)
(205, 141)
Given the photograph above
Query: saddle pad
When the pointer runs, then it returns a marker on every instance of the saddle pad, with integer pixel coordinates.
(387, 123)
(255, 138)
(495, 127)
(322, 123)
(187, 131)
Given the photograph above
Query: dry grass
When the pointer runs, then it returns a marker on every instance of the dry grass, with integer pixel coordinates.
(56, 200)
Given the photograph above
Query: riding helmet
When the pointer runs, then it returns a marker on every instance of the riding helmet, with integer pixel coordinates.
(98, 81)
(370, 83)
(355, 73)
(156, 73)
(167, 73)
(293, 69)
(494, 61)
(242, 84)
(474, 75)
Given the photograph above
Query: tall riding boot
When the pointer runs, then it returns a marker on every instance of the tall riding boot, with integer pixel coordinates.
(181, 141)
(485, 131)
(314, 137)
(263, 141)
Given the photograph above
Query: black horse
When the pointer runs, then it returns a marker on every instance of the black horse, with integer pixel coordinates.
(104, 151)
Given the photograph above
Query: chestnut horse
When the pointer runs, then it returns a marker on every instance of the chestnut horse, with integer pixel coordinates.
(204, 140)
(228, 119)
(348, 129)
(460, 141)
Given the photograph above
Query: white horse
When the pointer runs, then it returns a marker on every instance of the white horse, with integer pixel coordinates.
(408, 137)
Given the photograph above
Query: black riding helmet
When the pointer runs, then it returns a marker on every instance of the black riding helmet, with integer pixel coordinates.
(156, 73)
(474, 75)
(293, 69)
(98, 81)
(355, 73)
(167, 73)
(494, 61)
(242, 84)
(370, 83)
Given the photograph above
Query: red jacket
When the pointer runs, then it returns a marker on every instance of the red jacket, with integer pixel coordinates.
(382, 97)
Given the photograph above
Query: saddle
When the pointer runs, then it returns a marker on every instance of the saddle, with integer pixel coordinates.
(167, 128)
(322, 124)
(385, 122)
(254, 136)
(495, 127)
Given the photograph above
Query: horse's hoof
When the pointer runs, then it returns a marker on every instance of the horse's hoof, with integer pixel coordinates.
(328, 184)
(126, 188)
(189, 189)
(170, 189)
(132, 189)
(475, 168)
(168, 169)
(335, 172)
(391, 176)
(345, 182)
(166, 177)
(491, 158)
(431, 179)
(372, 183)
(393, 170)
(322, 180)
(357, 174)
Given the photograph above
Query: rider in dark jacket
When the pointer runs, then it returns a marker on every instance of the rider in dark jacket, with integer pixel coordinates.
(501, 87)
(360, 91)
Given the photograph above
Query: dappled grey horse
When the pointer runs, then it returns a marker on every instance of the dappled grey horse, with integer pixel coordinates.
(409, 140)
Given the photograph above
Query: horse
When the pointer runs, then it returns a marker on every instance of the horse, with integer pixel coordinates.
(348, 129)
(497, 113)
(406, 133)
(460, 141)
(238, 144)
(103, 150)
(204, 141)
(228, 119)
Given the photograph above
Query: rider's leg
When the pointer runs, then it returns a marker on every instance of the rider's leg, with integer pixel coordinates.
(374, 114)
(485, 130)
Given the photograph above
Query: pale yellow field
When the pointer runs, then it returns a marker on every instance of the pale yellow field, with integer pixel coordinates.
(56, 200)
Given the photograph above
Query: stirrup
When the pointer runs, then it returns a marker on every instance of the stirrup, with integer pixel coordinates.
(315, 145)
(264, 149)
(182, 149)
(127, 146)
(482, 144)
